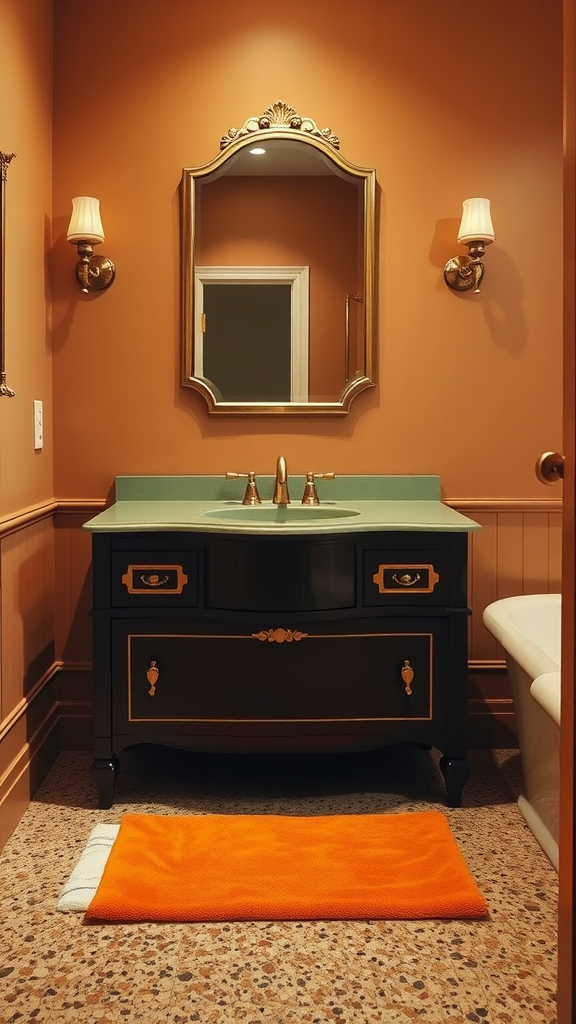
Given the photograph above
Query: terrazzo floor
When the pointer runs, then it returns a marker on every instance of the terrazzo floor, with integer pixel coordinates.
(54, 969)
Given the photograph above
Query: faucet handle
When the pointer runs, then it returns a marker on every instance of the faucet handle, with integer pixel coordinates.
(251, 496)
(310, 496)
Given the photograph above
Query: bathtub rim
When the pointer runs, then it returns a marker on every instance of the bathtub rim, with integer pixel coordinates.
(497, 619)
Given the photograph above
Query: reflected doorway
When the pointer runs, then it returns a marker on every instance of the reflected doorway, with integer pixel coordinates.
(247, 341)
(252, 333)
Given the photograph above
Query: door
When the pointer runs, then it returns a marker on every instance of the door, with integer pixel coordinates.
(566, 938)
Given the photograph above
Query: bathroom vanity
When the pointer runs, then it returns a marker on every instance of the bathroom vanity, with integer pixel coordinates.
(223, 627)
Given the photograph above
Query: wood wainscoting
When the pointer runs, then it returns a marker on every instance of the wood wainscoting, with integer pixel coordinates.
(517, 551)
(45, 647)
(45, 629)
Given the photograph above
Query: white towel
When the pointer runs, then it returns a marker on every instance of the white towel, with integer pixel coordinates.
(85, 878)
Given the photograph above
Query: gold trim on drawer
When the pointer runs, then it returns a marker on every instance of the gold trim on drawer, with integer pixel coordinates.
(155, 579)
(395, 579)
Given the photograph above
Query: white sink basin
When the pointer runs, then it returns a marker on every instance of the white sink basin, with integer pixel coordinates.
(302, 515)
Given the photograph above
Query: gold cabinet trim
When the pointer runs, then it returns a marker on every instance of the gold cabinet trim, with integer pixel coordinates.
(154, 583)
(406, 577)
(249, 636)
(280, 636)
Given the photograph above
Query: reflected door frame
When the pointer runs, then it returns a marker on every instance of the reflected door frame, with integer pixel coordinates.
(299, 280)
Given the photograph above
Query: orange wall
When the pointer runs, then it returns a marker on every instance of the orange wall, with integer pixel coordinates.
(26, 129)
(444, 105)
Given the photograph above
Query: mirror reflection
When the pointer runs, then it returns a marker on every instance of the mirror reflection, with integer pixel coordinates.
(278, 271)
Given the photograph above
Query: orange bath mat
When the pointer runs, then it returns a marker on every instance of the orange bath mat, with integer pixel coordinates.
(272, 867)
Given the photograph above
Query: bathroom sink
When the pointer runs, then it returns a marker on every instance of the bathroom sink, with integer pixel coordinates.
(210, 504)
(302, 515)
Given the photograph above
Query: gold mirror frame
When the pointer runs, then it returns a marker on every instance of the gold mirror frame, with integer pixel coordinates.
(279, 122)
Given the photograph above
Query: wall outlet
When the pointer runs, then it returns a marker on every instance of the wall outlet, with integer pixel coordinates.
(38, 425)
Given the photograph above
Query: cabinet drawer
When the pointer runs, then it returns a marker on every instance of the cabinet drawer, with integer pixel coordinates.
(284, 674)
(411, 577)
(154, 579)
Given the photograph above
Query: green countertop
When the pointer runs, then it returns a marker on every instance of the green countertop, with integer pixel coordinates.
(184, 503)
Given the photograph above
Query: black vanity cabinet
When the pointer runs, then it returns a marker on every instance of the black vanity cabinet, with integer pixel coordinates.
(228, 642)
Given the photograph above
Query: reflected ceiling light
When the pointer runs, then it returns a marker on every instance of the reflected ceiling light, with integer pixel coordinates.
(257, 151)
(94, 273)
(476, 231)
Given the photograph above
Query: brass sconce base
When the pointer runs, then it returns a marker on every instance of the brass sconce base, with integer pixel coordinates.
(95, 273)
(463, 273)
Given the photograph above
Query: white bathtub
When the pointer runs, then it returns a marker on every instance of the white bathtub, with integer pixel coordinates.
(528, 628)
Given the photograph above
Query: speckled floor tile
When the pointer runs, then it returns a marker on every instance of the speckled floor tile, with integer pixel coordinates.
(54, 969)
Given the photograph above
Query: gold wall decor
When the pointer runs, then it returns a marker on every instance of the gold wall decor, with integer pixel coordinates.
(5, 160)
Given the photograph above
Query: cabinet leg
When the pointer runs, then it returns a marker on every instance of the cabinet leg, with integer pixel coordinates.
(104, 771)
(455, 772)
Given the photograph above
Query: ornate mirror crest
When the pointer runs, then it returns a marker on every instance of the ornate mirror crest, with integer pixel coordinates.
(280, 115)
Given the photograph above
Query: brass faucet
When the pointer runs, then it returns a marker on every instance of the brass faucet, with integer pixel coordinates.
(251, 496)
(310, 496)
(281, 496)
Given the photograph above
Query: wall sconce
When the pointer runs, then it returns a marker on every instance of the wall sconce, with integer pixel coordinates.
(94, 273)
(476, 231)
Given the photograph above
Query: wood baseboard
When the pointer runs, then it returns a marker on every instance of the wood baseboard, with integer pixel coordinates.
(26, 771)
(491, 719)
(46, 723)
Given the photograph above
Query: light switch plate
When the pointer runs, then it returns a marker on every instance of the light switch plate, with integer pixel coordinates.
(38, 425)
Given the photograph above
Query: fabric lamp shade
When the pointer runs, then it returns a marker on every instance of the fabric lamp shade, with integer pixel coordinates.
(476, 223)
(85, 222)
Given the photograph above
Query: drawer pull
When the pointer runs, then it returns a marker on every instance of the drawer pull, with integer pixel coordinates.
(407, 676)
(407, 579)
(279, 635)
(154, 579)
(390, 579)
(152, 677)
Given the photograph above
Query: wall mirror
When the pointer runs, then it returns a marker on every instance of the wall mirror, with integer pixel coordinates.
(278, 271)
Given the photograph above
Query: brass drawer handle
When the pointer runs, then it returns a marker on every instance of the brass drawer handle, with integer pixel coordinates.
(152, 677)
(421, 578)
(407, 676)
(154, 579)
(407, 579)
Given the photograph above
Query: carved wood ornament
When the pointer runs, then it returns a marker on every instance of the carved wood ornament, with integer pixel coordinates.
(280, 115)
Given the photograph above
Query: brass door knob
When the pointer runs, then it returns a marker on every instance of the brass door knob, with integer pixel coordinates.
(550, 468)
